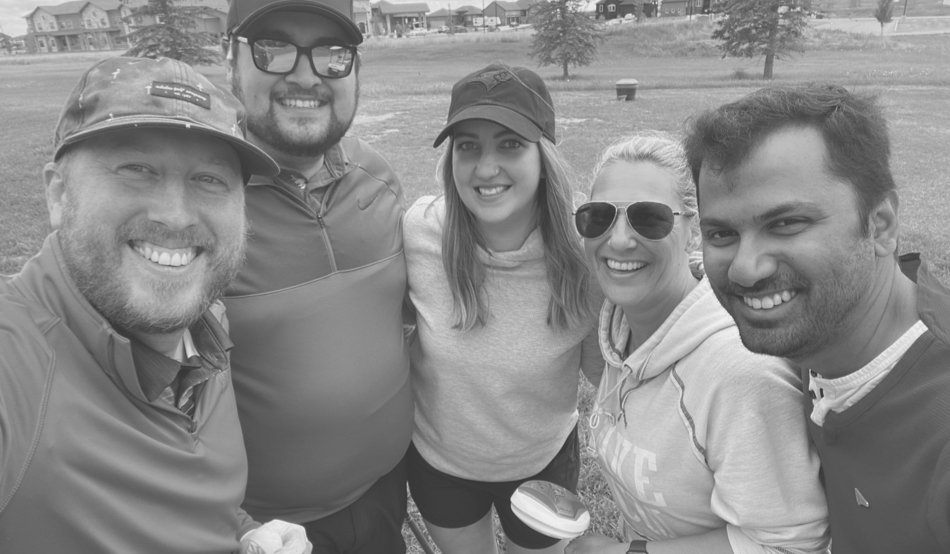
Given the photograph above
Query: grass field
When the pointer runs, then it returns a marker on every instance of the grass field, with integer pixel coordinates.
(405, 96)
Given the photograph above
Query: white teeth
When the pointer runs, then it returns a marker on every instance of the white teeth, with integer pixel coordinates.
(181, 257)
(490, 191)
(625, 266)
(297, 103)
(768, 302)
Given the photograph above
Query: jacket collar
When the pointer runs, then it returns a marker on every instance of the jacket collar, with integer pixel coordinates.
(335, 165)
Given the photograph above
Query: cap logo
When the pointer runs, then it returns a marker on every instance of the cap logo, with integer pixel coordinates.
(181, 92)
(492, 78)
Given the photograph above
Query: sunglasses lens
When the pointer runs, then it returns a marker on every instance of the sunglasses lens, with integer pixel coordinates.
(594, 219)
(277, 56)
(651, 220)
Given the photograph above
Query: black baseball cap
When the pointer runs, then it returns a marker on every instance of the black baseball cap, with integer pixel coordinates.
(242, 13)
(514, 97)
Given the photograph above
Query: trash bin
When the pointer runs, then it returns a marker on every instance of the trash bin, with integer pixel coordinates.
(627, 89)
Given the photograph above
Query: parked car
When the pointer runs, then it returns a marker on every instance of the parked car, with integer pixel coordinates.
(459, 29)
(443, 29)
(418, 32)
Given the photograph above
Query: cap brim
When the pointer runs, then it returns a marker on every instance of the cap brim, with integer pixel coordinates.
(352, 31)
(497, 114)
(254, 161)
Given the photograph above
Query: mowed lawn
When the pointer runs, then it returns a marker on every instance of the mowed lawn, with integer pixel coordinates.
(405, 86)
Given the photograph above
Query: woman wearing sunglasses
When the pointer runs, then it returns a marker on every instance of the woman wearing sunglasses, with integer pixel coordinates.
(702, 442)
(500, 287)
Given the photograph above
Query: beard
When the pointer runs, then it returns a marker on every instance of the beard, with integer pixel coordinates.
(822, 312)
(302, 140)
(93, 256)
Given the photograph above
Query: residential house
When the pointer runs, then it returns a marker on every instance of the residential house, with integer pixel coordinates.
(78, 25)
(363, 16)
(683, 8)
(391, 18)
(501, 12)
(103, 24)
(465, 16)
(613, 9)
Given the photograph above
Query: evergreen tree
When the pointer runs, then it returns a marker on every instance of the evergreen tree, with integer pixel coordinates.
(884, 13)
(173, 34)
(770, 28)
(565, 35)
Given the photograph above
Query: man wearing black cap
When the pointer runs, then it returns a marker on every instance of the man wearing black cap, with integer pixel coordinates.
(118, 425)
(321, 371)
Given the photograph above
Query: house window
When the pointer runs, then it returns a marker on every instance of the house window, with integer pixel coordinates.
(612, 8)
(68, 24)
(600, 8)
(103, 22)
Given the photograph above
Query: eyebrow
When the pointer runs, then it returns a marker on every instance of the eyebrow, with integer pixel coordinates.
(771, 213)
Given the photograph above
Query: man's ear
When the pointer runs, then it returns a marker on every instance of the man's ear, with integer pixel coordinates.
(55, 188)
(884, 226)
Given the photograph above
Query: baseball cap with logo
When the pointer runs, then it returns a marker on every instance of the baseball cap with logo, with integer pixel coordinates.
(243, 13)
(513, 97)
(123, 93)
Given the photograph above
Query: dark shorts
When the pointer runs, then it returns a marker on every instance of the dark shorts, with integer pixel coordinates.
(371, 525)
(452, 502)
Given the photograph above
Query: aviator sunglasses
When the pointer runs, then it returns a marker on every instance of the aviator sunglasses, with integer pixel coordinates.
(279, 57)
(651, 220)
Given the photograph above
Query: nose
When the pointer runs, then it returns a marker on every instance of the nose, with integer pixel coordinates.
(172, 205)
(751, 264)
(487, 167)
(303, 74)
(621, 236)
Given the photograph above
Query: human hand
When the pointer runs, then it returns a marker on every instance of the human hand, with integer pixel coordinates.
(276, 537)
(595, 544)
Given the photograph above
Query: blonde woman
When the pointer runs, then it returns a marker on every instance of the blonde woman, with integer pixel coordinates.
(701, 441)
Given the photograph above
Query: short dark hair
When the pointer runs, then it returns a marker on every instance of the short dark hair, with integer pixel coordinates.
(852, 125)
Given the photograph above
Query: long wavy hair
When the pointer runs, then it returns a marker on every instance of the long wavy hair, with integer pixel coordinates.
(567, 273)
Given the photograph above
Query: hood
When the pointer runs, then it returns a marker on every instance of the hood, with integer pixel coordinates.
(532, 249)
(694, 320)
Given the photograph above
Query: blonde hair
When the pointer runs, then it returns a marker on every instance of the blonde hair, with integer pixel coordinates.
(663, 150)
(567, 273)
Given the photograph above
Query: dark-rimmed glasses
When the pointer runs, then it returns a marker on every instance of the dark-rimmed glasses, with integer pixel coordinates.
(279, 57)
(651, 220)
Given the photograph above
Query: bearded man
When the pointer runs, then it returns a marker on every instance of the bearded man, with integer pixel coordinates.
(798, 212)
(321, 368)
(118, 425)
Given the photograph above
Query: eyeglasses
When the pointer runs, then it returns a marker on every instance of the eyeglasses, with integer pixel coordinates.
(279, 57)
(651, 220)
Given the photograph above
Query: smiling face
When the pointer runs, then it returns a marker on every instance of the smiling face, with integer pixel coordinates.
(496, 174)
(151, 224)
(784, 248)
(636, 274)
(300, 114)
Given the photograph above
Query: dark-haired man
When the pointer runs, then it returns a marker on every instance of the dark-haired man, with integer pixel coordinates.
(800, 235)
(321, 370)
(118, 426)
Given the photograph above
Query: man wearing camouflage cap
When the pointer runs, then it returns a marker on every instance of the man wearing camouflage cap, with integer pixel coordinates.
(118, 425)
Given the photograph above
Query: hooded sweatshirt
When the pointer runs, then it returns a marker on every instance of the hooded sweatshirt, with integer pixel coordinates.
(497, 402)
(696, 433)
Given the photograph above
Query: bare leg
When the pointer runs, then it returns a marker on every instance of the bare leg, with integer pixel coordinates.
(477, 538)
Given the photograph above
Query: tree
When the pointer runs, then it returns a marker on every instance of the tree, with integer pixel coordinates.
(884, 13)
(770, 28)
(565, 35)
(173, 35)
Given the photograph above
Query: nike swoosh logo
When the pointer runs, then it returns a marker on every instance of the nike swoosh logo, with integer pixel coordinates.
(364, 203)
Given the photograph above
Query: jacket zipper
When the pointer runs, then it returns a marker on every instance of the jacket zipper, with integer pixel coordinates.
(318, 216)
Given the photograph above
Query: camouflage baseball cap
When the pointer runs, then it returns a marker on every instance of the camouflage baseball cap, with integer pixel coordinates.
(123, 93)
